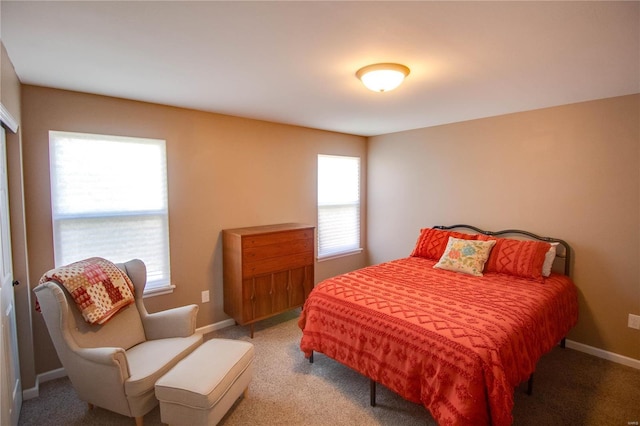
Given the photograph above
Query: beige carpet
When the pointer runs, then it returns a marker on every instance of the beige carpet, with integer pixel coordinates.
(570, 388)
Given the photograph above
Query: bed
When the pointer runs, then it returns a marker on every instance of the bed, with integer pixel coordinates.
(456, 342)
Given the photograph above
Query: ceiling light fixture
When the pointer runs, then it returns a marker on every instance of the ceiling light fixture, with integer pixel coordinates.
(382, 77)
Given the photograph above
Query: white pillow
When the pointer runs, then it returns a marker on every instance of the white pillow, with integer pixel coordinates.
(549, 257)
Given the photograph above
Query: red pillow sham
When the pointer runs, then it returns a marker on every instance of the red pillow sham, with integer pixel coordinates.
(516, 257)
(432, 242)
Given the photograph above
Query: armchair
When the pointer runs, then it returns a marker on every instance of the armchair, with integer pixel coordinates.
(115, 365)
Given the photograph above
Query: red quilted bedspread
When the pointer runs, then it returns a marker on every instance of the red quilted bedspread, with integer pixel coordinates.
(456, 343)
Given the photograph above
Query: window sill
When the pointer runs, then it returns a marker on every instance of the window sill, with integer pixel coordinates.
(338, 255)
(158, 291)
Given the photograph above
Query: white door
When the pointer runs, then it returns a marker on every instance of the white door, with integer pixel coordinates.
(10, 386)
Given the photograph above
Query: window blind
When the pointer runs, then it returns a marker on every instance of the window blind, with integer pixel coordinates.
(338, 205)
(109, 199)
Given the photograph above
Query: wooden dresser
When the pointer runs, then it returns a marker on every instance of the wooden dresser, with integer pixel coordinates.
(267, 270)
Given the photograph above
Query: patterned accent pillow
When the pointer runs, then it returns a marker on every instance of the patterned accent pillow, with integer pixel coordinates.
(517, 257)
(468, 256)
(432, 242)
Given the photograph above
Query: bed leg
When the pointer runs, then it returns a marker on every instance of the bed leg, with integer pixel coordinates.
(563, 343)
(372, 392)
(530, 385)
(311, 358)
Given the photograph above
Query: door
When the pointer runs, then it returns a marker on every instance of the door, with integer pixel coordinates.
(10, 386)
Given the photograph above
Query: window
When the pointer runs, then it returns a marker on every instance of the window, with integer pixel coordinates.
(338, 205)
(109, 199)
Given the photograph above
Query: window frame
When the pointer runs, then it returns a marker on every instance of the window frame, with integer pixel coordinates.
(354, 248)
(162, 285)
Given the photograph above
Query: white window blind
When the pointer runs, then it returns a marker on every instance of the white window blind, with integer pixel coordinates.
(109, 199)
(338, 205)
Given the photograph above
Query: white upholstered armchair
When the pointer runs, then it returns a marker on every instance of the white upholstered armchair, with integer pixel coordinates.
(115, 365)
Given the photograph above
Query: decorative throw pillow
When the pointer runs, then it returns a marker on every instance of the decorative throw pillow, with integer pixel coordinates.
(517, 257)
(549, 257)
(432, 242)
(468, 256)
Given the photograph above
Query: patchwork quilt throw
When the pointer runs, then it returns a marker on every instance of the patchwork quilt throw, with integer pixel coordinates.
(456, 343)
(98, 287)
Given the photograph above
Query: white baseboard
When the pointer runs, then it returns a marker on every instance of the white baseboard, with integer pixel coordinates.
(601, 353)
(216, 326)
(34, 392)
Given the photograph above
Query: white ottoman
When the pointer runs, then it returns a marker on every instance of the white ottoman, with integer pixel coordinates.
(202, 387)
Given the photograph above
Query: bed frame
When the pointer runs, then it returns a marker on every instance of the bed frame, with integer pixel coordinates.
(564, 255)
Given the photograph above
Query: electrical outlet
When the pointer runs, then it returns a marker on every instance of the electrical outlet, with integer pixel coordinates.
(205, 296)
(634, 321)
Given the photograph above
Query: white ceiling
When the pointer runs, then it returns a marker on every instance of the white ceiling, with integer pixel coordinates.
(295, 62)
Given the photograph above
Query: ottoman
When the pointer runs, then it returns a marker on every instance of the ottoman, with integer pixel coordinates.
(202, 387)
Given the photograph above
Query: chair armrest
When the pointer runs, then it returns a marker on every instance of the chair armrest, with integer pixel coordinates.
(176, 322)
(98, 374)
(108, 363)
(105, 355)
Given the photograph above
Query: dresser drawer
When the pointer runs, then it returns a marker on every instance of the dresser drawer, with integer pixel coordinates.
(250, 241)
(275, 264)
(250, 254)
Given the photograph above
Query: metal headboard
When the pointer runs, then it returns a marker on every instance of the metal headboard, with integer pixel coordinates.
(566, 256)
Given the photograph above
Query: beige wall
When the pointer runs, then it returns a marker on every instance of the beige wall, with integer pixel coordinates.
(571, 172)
(9, 85)
(223, 172)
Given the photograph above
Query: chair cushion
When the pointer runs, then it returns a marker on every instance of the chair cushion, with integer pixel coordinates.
(150, 360)
(205, 376)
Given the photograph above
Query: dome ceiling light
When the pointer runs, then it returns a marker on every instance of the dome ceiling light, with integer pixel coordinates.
(382, 77)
